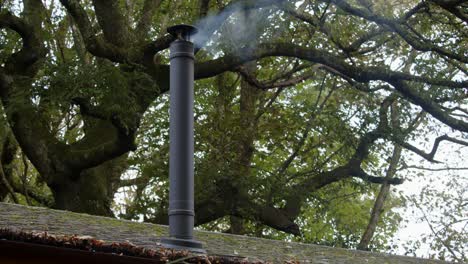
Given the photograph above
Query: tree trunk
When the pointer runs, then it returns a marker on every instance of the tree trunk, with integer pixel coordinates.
(237, 225)
(93, 191)
(380, 200)
(8, 149)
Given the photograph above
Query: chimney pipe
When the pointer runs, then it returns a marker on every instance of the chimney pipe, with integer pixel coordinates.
(181, 167)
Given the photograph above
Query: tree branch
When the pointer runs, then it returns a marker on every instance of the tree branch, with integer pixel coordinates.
(380, 180)
(28, 191)
(203, 7)
(297, 67)
(8, 149)
(149, 8)
(436, 234)
(32, 51)
(24, 177)
(7, 185)
(272, 85)
(377, 209)
(105, 140)
(359, 73)
(451, 7)
(303, 16)
(95, 44)
(31, 132)
(291, 81)
(397, 27)
(318, 23)
(135, 181)
(8, 20)
(87, 109)
(430, 156)
(113, 23)
(302, 140)
(351, 169)
(406, 167)
(150, 49)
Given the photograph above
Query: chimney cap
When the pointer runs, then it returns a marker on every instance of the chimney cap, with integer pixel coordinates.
(182, 31)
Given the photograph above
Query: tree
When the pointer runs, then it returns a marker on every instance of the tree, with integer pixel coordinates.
(292, 97)
(447, 236)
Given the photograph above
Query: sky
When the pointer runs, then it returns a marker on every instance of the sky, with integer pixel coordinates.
(451, 156)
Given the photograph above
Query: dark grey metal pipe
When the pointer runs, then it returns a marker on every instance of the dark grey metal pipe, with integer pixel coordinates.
(181, 192)
(181, 165)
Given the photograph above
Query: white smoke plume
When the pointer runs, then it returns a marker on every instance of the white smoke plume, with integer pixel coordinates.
(241, 25)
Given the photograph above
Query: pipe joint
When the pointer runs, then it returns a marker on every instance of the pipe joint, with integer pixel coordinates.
(181, 212)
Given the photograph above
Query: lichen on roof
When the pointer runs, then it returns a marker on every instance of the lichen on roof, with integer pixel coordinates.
(36, 219)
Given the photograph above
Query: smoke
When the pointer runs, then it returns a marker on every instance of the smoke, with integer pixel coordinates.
(239, 25)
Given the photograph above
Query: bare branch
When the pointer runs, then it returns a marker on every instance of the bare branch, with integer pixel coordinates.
(270, 216)
(457, 108)
(430, 156)
(373, 179)
(432, 169)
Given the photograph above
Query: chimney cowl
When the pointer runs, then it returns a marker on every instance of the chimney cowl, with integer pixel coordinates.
(182, 31)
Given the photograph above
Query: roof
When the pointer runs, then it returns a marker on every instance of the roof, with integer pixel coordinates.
(55, 222)
(20, 247)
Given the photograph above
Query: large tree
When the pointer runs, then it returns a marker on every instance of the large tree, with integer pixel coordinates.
(293, 97)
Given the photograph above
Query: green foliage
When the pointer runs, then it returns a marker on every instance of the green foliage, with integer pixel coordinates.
(338, 214)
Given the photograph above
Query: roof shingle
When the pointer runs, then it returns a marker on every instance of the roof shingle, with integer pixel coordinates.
(55, 222)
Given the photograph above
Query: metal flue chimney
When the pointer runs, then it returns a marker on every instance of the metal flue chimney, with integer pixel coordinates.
(181, 165)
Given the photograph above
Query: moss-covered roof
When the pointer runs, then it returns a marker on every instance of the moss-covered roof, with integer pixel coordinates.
(36, 219)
